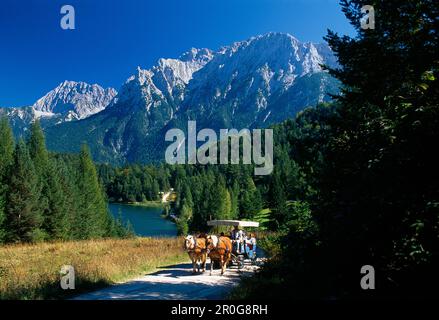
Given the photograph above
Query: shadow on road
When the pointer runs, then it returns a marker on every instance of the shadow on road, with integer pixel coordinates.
(171, 283)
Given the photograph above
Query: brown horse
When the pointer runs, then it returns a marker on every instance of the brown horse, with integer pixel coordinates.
(219, 249)
(197, 251)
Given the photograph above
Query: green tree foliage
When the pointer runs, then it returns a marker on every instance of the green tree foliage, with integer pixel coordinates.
(49, 196)
(208, 192)
(379, 182)
(56, 219)
(6, 147)
(6, 160)
(38, 153)
(133, 183)
(37, 147)
(119, 229)
(278, 200)
(221, 204)
(234, 200)
(183, 219)
(251, 201)
(367, 179)
(93, 218)
(24, 220)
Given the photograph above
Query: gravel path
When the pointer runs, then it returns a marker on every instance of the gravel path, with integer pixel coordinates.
(174, 283)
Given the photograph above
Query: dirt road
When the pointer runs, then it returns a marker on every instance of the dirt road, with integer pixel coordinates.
(172, 283)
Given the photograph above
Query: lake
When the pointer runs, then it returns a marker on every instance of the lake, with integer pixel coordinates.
(146, 221)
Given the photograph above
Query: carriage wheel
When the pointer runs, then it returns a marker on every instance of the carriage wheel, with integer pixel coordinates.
(254, 260)
(240, 262)
(235, 260)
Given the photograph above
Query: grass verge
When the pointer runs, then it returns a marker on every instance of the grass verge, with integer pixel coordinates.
(32, 271)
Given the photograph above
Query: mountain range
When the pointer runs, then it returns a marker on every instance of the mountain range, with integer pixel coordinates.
(69, 101)
(249, 84)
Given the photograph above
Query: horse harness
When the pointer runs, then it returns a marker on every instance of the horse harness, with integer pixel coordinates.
(217, 249)
(197, 247)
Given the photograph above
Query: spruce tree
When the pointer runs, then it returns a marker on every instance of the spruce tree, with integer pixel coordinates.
(278, 200)
(68, 169)
(37, 147)
(220, 204)
(24, 218)
(234, 197)
(6, 160)
(155, 190)
(38, 153)
(93, 219)
(250, 200)
(183, 219)
(56, 222)
(225, 211)
(6, 147)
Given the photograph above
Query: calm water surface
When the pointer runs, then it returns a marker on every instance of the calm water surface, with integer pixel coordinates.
(146, 221)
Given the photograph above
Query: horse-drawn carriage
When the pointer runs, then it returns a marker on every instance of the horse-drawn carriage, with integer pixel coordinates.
(244, 246)
(223, 250)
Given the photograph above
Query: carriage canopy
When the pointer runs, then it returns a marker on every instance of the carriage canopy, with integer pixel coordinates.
(234, 223)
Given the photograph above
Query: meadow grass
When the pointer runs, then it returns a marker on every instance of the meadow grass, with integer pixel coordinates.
(32, 271)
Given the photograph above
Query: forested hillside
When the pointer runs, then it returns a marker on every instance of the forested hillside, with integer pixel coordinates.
(45, 196)
(232, 191)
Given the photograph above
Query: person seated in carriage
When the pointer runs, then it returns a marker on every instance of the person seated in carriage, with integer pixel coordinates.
(238, 237)
(250, 246)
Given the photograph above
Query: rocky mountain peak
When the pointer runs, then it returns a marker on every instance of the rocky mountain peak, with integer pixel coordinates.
(77, 100)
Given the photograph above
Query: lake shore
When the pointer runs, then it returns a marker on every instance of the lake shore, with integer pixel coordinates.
(148, 204)
(146, 219)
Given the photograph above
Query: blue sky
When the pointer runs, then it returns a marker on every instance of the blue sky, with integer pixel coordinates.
(112, 37)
